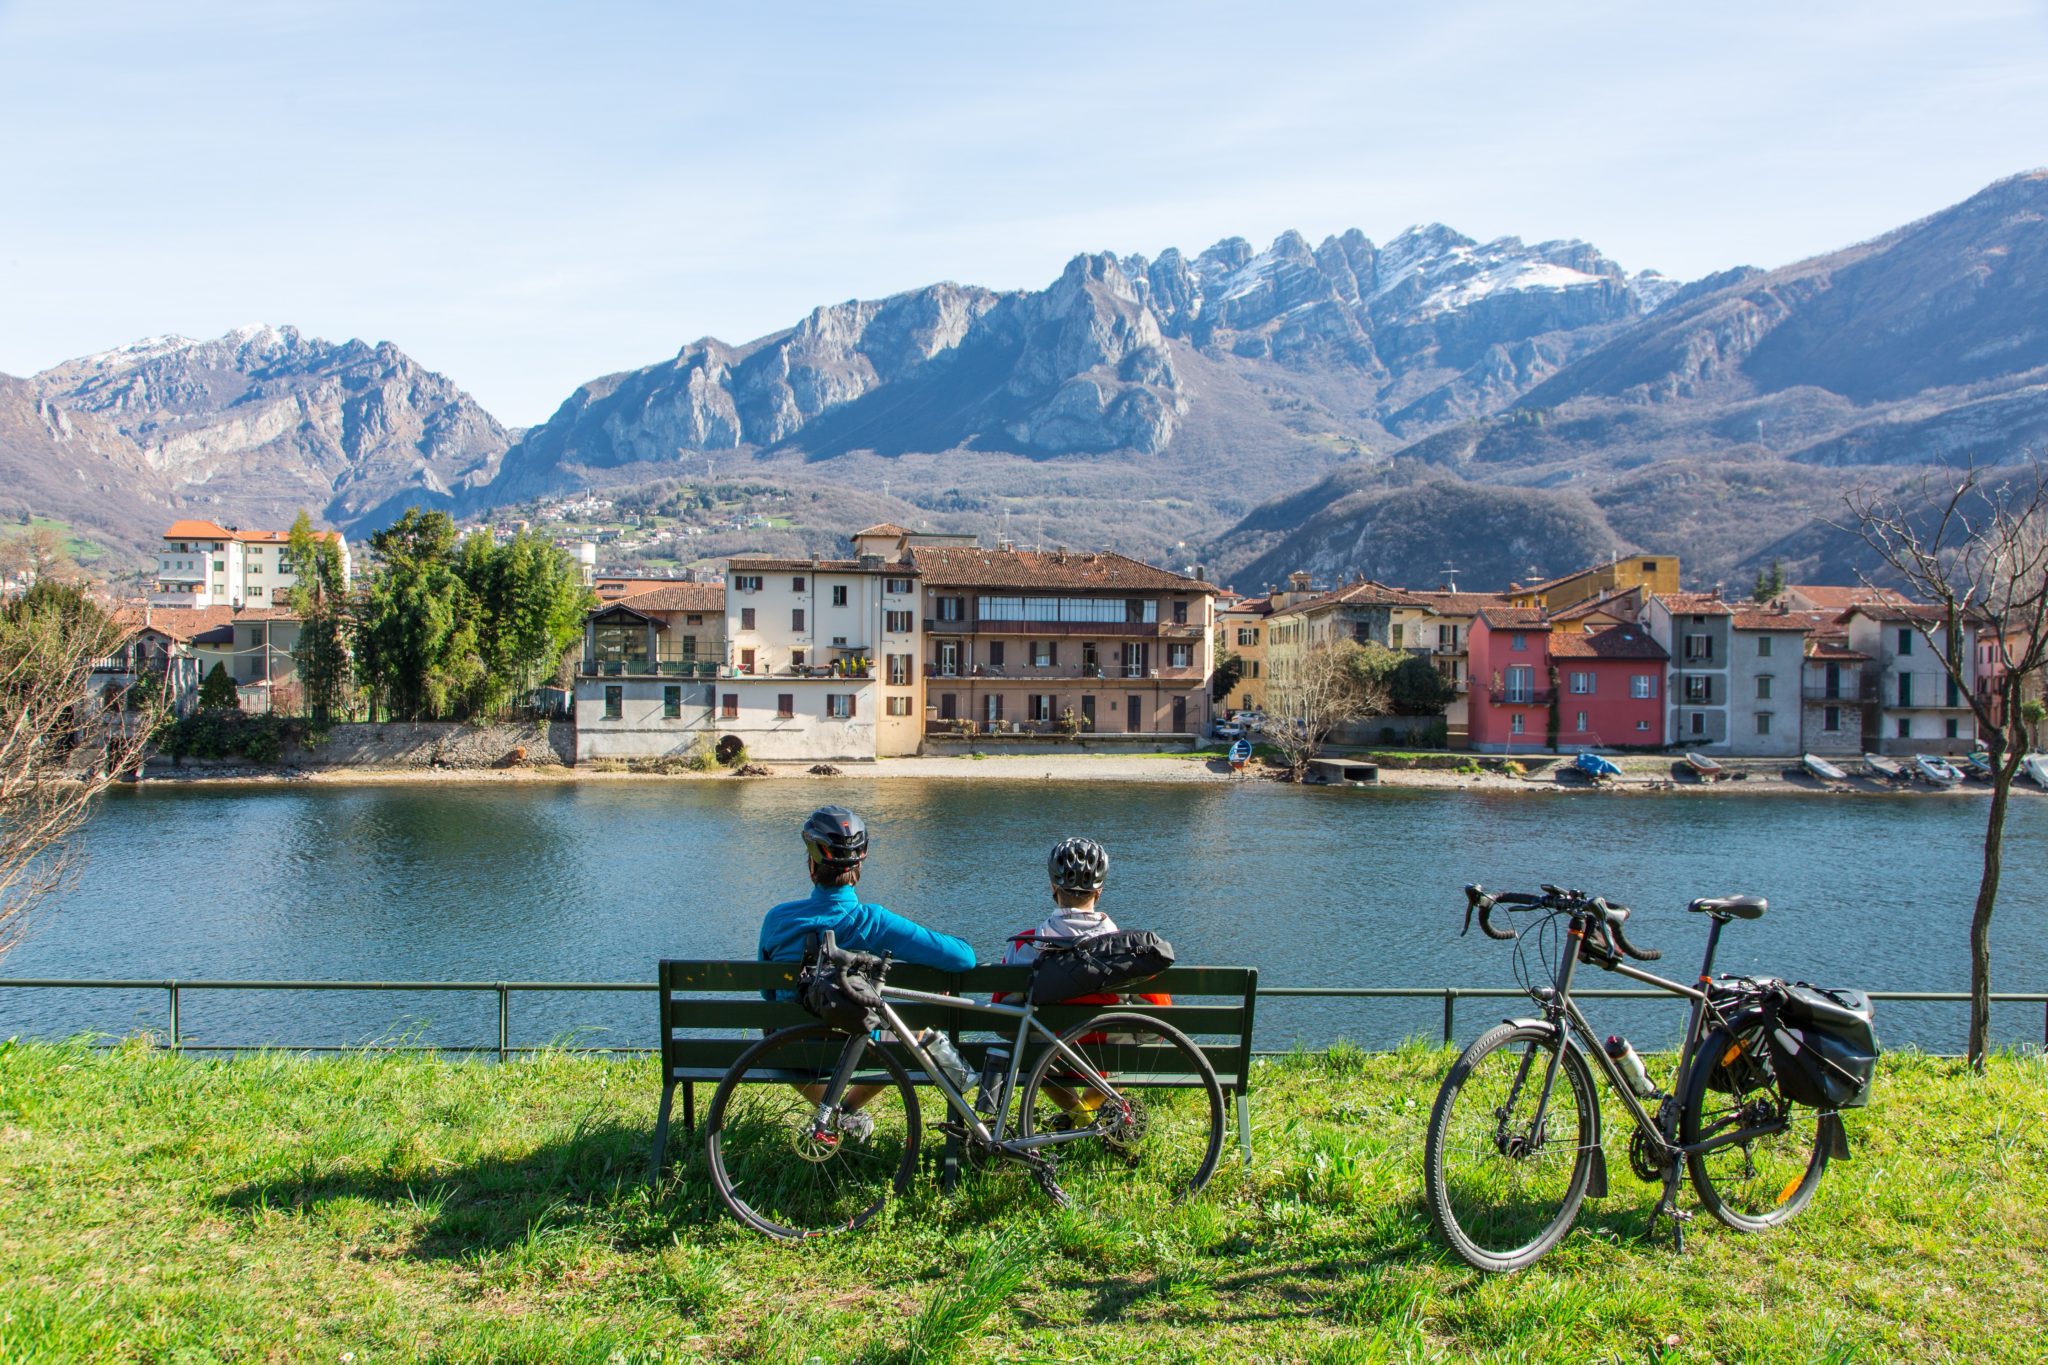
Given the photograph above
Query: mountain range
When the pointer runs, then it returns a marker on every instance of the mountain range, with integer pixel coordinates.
(1503, 408)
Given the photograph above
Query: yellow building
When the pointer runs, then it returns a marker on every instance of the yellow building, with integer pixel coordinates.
(1652, 573)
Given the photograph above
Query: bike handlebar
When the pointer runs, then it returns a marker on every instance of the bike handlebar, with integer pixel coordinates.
(864, 963)
(1606, 916)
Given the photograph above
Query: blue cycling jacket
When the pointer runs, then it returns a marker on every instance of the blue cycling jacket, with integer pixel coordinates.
(858, 927)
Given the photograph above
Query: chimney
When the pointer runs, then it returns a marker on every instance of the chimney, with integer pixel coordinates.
(1201, 574)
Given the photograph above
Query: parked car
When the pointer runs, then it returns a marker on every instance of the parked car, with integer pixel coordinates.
(1228, 730)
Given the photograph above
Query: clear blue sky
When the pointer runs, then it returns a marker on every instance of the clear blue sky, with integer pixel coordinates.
(525, 196)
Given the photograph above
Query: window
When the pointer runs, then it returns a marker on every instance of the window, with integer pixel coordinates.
(746, 661)
(897, 585)
(995, 653)
(1141, 611)
(1582, 722)
(1447, 639)
(1763, 646)
(1643, 686)
(1247, 637)
(899, 706)
(1954, 697)
(1518, 641)
(785, 706)
(1905, 640)
(1519, 687)
(1954, 728)
(899, 670)
(1044, 653)
(1699, 649)
(1582, 684)
(1905, 689)
(1649, 566)
(1643, 725)
(1831, 719)
(1041, 706)
(1255, 668)
(1699, 691)
(731, 709)
(746, 582)
(672, 702)
(897, 622)
(992, 707)
(839, 705)
(1905, 728)
(1180, 656)
(1180, 613)
(796, 619)
(796, 584)
(1763, 687)
(1397, 635)
(1699, 723)
(220, 566)
(1763, 722)
(955, 609)
(614, 701)
(746, 618)
(838, 594)
(797, 657)
(256, 591)
(1515, 723)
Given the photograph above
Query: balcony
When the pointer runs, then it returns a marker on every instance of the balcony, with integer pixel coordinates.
(1001, 676)
(1055, 630)
(1843, 695)
(649, 668)
(1501, 696)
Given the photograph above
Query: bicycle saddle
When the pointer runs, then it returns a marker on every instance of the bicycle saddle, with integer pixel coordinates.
(1740, 907)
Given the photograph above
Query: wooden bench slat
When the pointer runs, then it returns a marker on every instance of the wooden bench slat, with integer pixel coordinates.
(1197, 1021)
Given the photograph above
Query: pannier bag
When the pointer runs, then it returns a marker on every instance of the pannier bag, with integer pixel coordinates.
(840, 996)
(1099, 964)
(1823, 1047)
(1744, 1067)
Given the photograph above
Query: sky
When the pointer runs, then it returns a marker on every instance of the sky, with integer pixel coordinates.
(526, 196)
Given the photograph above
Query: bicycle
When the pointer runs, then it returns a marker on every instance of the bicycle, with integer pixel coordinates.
(816, 1126)
(1510, 1155)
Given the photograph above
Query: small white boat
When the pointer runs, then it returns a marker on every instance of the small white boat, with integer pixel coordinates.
(1821, 768)
(1705, 768)
(1877, 765)
(1240, 754)
(1936, 770)
(1976, 763)
(2036, 767)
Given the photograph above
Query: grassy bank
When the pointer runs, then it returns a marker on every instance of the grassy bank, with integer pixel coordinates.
(273, 1208)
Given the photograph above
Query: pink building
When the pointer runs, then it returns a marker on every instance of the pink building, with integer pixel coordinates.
(1604, 680)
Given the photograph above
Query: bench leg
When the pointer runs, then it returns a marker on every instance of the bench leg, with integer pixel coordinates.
(1244, 1125)
(668, 1095)
(689, 1106)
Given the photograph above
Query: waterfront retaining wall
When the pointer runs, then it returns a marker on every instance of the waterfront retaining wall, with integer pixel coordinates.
(409, 745)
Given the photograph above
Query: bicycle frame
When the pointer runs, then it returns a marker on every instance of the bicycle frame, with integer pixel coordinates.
(1564, 1013)
(1027, 1023)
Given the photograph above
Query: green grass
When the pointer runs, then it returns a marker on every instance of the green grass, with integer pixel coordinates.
(275, 1208)
(79, 547)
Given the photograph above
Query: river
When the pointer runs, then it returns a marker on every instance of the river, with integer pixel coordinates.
(595, 881)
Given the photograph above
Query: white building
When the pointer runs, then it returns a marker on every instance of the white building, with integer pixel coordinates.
(1915, 707)
(205, 565)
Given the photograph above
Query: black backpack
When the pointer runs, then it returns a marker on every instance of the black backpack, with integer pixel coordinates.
(1097, 965)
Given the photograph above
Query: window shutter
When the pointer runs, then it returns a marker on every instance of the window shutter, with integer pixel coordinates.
(1053, 652)
(852, 703)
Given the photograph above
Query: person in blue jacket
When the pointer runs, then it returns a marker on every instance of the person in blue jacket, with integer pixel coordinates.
(837, 842)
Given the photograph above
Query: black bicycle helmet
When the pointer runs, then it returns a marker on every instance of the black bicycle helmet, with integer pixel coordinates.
(836, 837)
(1080, 865)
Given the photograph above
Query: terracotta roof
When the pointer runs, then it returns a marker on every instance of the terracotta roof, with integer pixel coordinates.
(812, 565)
(1615, 642)
(704, 597)
(965, 566)
(1247, 606)
(1829, 597)
(1625, 605)
(1832, 649)
(1915, 613)
(206, 530)
(1514, 618)
(1770, 618)
(1365, 592)
(1695, 604)
(183, 623)
(1448, 603)
(887, 528)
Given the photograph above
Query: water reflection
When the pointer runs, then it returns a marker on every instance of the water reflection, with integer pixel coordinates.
(595, 881)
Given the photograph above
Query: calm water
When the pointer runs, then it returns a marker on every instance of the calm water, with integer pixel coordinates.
(1360, 888)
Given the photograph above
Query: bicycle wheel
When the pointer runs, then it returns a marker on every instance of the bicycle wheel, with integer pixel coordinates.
(768, 1167)
(1504, 1187)
(1162, 1119)
(1761, 1183)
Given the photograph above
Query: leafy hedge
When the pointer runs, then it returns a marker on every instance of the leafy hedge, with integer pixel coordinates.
(230, 734)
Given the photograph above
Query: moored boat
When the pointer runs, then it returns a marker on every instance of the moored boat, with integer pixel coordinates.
(2036, 767)
(1877, 765)
(1976, 764)
(1599, 768)
(1937, 770)
(1707, 768)
(1240, 754)
(1821, 768)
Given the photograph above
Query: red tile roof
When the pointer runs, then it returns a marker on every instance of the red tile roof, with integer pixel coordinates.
(1830, 597)
(205, 530)
(182, 623)
(887, 528)
(745, 565)
(1827, 649)
(1771, 618)
(672, 597)
(1625, 605)
(960, 566)
(1445, 602)
(1695, 604)
(1615, 642)
(1365, 592)
(1514, 618)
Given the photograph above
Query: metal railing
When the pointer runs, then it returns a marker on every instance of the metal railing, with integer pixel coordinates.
(174, 991)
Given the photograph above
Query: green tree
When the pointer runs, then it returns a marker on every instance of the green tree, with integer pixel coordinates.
(1229, 672)
(319, 598)
(217, 691)
(1769, 582)
(415, 634)
(529, 603)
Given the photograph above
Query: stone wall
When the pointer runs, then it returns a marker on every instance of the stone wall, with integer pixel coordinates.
(408, 745)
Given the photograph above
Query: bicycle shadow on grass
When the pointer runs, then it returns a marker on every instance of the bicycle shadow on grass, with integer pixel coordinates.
(595, 1177)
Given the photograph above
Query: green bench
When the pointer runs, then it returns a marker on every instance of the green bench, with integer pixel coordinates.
(711, 1012)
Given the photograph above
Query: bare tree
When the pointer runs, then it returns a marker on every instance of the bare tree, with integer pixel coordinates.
(1310, 694)
(64, 737)
(1978, 552)
(34, 555)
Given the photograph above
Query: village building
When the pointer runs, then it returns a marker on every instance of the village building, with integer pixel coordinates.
(201, 564)
(647, 683)
(1652, 573)
(1915, 706)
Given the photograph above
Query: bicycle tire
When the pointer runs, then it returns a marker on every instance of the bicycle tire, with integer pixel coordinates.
(1474, 1234)
(781, 1182)
(1139, 1133)
(1749, 1198)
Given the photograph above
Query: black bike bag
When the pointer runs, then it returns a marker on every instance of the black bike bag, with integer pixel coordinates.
(840, 995)
(1097, 965)
(1824, 1046)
